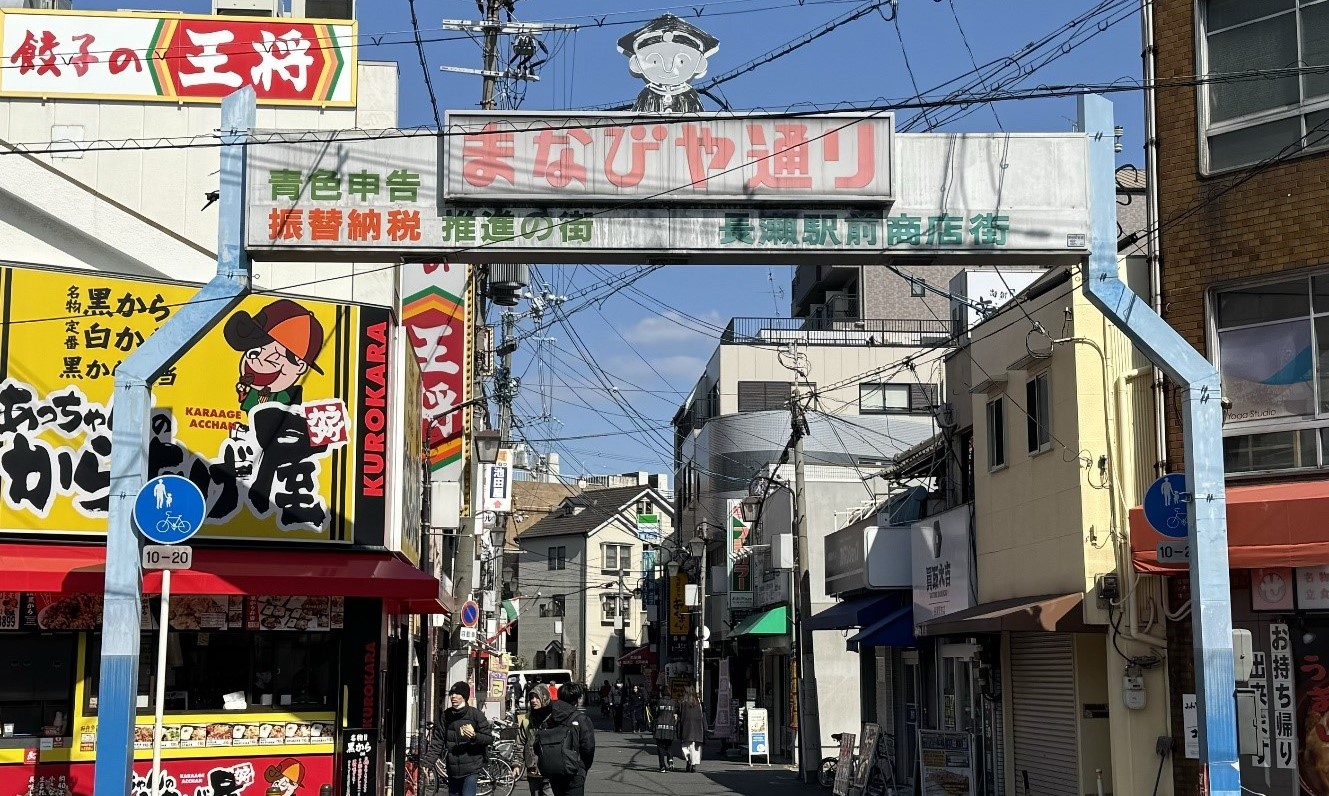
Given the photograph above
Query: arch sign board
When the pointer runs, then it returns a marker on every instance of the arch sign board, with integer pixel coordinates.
(704, 188)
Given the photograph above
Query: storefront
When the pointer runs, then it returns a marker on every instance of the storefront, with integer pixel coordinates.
(261, 690)
(295, 635)
(1278, 551)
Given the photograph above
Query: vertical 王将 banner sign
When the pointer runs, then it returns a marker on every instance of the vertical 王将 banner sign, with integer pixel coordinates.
(434, 313)
(740, 566)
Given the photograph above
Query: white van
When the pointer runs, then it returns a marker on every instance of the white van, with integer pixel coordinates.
(520, 680)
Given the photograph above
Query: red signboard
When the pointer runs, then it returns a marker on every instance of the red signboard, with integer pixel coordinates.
(294, 775)
(176, 57)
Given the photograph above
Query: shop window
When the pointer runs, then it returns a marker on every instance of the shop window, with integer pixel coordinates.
(556, 607)
(1037, 406)
(876, 399)
(1245, 122)
(558, 557)
(278, 671)
(996, 421)
(1271, 344)
(615, 558)
(37, 681)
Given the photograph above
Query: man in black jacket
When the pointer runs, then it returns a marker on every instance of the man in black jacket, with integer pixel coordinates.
(461, 743)
(564, 712)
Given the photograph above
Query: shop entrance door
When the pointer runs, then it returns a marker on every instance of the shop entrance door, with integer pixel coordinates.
(907, 744)
(964, 708)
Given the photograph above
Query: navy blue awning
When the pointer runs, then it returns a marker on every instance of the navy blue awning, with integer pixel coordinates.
(854, 612)
(896, 629)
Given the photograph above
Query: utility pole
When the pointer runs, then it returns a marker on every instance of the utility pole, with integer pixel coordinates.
(620, 621)
(807, 726)
(490, 74)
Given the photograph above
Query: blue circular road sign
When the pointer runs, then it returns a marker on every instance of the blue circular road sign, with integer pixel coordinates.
(1165, 508)
(470, 614)
(169, 509)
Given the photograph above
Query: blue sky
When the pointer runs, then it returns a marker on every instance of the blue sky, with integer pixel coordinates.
(651, 342)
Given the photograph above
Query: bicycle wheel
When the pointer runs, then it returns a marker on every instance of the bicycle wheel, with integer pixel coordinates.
(826, 773)
(500, 774)
(484, 784)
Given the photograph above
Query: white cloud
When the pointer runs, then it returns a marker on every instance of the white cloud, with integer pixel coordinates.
(674, 329)
(680, 370)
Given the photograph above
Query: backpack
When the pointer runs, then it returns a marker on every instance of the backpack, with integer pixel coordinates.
(665, 722)
(557, 748)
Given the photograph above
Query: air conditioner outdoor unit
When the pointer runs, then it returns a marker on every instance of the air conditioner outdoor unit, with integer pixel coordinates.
(247, 8)
(323, 9)
(839, 304)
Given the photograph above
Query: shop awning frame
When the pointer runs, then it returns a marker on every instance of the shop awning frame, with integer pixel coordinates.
(896, 629)
(1268, 525)
(1047, 613)
(75, 569)
(771, 622)
(854, 612)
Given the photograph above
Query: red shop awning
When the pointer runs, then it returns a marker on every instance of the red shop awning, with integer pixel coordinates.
(296, 573)
(1268, 525)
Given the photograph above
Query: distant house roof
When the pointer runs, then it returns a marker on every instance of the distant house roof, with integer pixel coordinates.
(533, 501)
(590, 510)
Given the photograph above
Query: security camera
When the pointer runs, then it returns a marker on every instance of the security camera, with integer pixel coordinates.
(1226, 403)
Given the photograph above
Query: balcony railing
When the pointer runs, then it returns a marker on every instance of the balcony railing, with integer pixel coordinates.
(905, 332)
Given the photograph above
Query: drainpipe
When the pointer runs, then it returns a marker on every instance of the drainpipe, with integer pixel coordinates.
(1202, 435)
(1152, 232)
(129, 460)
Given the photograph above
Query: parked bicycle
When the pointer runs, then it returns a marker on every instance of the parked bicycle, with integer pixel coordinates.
(880, 780)
(422, 779)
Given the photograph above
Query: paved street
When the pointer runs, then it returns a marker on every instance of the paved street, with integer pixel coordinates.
(626, 765)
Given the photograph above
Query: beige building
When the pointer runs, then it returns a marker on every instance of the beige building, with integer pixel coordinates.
(1062, 443)
(581, 569)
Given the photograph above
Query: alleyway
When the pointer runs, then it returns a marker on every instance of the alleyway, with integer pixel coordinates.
(626, 765)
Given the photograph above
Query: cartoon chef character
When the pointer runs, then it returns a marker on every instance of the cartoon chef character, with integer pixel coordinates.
(285, 777)
(667, 53)
(279, 345)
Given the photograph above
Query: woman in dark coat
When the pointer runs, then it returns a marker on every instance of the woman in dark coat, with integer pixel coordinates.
(691, 729)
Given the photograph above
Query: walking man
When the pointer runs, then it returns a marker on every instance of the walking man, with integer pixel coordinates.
(616, 706)
(565, 743)
(461, 744)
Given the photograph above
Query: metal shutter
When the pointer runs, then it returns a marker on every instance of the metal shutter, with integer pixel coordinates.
(922, 397)
(1043, 714)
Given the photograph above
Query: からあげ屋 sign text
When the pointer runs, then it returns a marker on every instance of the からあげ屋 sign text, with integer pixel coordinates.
(264, 413)
(670, 160)
(174, 57)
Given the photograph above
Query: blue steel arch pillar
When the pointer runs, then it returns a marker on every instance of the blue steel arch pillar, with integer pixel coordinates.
(129, 454)
(1202, 436)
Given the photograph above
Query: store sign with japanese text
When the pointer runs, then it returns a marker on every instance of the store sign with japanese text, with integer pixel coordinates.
(279, 414)
(162, 57)
(434, 316)
(510, 156)
(546, 194)
(219, 776)
(740, 562)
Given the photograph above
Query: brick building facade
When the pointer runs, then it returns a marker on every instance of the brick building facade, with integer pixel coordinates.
(1240, 200)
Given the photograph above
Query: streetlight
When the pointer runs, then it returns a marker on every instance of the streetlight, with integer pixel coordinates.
(487, 444)
(697, 549)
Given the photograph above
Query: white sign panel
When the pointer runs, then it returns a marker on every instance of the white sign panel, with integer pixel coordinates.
(497, 484)
(1312, 588)
(1190, 724)
(1283, 696)
(509, 156)
(344, 193)
(941, 570)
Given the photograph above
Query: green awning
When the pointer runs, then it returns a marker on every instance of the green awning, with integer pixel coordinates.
(774, 622)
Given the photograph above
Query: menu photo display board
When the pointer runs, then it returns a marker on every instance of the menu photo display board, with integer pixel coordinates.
(947, 761)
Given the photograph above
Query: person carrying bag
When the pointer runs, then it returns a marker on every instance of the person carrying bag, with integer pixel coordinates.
(666, 721)
(538, 708)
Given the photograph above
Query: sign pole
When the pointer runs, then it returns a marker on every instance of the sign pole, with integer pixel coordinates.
(165, 623)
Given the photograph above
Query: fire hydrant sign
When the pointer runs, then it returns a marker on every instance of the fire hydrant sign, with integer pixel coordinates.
(176, 57)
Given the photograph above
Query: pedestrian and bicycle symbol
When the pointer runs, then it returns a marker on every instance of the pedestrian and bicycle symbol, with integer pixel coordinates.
(169, 509)
(1166, 507)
